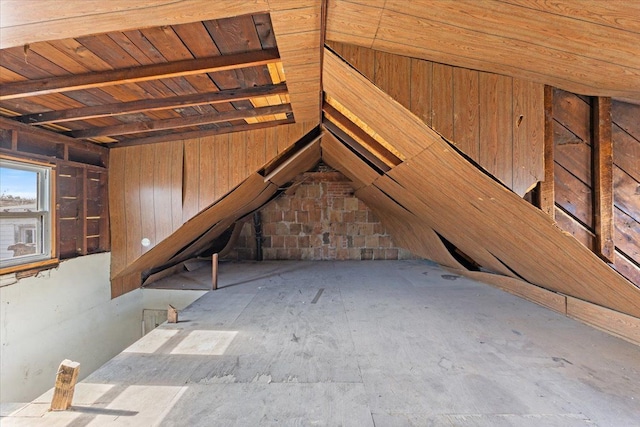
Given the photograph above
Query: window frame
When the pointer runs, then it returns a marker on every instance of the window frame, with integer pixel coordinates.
(45, 215)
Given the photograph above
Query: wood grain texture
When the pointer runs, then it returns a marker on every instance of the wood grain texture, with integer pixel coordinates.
(495, 219)
(21, 25)
(466, 111)
(558, 48)
(528, 127)
(158, 188)
(442, 100)
(619, 324)
(603, 178)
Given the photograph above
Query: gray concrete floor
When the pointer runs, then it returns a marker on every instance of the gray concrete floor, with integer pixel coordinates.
(384, 343)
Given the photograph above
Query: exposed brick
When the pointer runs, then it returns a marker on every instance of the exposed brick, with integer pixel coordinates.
(277, 241)
(360, 216)
(372, 241)
(303, 241)
(366, 254)
(302, 217)
(378, 253)
(391, 253)
(295, 228)
(342, 254)
(351, 204)
(291, 241)
(318, 219)
(282, 229)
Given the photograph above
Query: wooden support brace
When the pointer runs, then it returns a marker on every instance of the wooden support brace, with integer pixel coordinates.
(214, 271)
(546, 189)
(603, 178)
(172, 314)
(65, 385)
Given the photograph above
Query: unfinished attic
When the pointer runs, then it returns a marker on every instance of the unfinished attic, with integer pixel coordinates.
(363, 212)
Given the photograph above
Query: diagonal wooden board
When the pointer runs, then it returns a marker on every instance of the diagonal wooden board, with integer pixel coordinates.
(493, 217)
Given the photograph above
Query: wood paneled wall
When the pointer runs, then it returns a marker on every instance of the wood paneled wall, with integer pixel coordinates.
(574, 182)
(586, 46)
(496, 120)
(155, 188)
(487, 222)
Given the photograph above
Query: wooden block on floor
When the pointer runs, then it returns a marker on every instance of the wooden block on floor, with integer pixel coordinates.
(65, 385)
(172, 315)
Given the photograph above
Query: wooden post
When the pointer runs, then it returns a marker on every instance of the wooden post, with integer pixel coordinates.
(603, 178)
(214, 271)
(65, 384)
(546, 189)
(172, 315)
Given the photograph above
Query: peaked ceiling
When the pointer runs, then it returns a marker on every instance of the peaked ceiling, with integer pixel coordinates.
(177, 51)
(121, 72)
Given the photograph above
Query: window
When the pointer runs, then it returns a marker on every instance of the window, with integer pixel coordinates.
(25, 214)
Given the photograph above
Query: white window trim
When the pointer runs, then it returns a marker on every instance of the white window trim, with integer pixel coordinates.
(44, 214)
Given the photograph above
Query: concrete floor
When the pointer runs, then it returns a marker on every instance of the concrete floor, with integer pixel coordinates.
(384, 343)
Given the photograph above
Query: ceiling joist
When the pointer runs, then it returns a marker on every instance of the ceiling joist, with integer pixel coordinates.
(137, 127)
(190, 67)
(132, 107)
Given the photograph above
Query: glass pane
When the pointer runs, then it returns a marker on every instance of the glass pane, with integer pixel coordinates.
(18, 190)
(19, 238)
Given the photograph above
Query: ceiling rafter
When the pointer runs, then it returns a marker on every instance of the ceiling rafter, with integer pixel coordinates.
(157, 125)
(190, 67)
(143, 105)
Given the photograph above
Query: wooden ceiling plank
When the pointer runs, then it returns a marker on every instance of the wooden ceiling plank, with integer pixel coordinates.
(138, 74)
(57, 20)
(145, 105)
(136, 127)
(199, 133)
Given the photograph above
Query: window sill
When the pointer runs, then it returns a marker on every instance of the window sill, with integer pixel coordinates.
(24, 269)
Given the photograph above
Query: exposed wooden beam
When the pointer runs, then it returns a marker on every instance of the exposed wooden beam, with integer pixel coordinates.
(23, 89)
(377, 149)
(603, 178)
(546, 189)
(199, 133)
(144, 105)
(180, 122)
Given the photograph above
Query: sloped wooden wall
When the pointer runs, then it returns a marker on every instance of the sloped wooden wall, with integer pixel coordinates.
(573, 133)
(496, 120)
(154, 189)
(466, 207)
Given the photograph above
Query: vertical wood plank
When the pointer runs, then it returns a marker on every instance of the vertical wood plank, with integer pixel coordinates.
(496, 131)
(221, 165)
(393, 75)
(466, 115)
(191, 179)
(271, 143)
(133, 224)
(603, 178)
(147, 184)
(105, 235)
(255, 150)
(207, 193)
(284, 136)
(528, 135)
(546, 196)
(421, 86)
(162, 190)
(177, 165)
(117, 162)
(237, 158)
(442, 100)
(82, 215)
